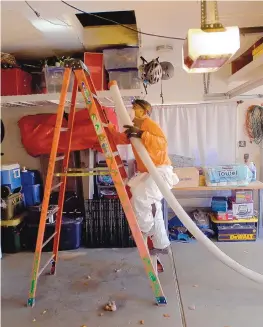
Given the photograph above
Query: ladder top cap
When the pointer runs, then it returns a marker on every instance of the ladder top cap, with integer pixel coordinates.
(111, 83)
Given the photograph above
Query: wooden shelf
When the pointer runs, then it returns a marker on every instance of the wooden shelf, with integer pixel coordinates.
(252, 186)
(244, 74)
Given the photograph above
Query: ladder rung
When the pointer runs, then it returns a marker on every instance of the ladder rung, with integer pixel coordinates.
(64, 129)
(59, 158)
(56, 186)
(46, 264)
(53, 211)
(95, 96)
(49, 239)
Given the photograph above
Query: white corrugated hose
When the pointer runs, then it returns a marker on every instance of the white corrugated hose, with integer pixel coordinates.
(170, 198)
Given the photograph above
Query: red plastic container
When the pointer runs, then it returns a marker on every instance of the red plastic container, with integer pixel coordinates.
(14, 81)
(95, 64)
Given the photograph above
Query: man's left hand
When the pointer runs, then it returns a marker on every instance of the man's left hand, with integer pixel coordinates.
(133, 131)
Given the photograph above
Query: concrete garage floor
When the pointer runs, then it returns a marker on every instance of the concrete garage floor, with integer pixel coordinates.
(221, 297)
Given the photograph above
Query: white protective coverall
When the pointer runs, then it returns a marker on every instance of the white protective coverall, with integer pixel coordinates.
(145, 193)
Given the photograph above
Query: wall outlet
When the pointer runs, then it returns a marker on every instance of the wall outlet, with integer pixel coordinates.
(246, 157)
(242, 144)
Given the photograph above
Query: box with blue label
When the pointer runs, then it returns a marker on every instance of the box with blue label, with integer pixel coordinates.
(235, 175)
(32, 195)
(10, 179)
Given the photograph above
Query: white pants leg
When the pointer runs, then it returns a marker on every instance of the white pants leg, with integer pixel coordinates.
(145, 193)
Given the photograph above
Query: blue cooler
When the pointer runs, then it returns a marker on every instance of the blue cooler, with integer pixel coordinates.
(10, 179)
(32, 195)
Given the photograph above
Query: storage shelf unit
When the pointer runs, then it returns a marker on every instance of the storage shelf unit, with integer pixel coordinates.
(254, 186)
(52, 99)
(244, 74)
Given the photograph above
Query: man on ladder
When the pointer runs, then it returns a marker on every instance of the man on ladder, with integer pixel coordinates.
(84, 83)
(146, 196)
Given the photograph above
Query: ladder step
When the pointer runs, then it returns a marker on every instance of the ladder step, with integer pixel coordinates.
(46, 264)
(64, 129)
(49, 239)
(53, 211)
(59, 158)
(56, 186)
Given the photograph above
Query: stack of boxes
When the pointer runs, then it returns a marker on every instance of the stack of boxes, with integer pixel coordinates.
(233, 218)
(219, 206)
(12, 208)
(121, 65)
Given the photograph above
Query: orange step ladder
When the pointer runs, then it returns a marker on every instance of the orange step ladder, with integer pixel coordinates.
(83, 82)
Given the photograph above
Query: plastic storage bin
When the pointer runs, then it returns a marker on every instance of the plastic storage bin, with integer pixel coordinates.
(126, 79)
(11, 235)
(34, 213)
(30, 177)
(10, 179)
(15, 81)
(95, 64)
(32, 194)
(54, 79)
(121, 58)
(70, 237)
(14, 206)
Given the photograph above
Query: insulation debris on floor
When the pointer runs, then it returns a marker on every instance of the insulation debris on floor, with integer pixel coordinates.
(89, 280)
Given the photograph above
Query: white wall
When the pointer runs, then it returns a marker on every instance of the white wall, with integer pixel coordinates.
(12, 147)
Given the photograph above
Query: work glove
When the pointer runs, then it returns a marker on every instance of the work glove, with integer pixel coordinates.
(133, 131)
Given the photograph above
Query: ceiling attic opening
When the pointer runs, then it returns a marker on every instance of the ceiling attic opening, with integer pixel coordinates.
(107, 18)
(103, 30)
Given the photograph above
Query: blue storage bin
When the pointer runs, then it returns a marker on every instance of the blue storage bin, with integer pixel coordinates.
(32, 195)
(30, 177)
(10, 178)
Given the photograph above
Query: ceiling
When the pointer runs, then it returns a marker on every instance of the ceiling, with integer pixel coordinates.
(35, 37)
(58, 31)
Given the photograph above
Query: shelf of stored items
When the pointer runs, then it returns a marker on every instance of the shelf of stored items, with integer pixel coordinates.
(52, 99)
(253, 186)
(244, 74)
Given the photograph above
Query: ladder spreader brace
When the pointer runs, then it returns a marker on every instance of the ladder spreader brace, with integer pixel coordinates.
(83, 82)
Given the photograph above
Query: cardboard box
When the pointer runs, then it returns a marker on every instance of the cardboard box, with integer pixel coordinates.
(225, 216)
(244, 196)
(188, 177)
(243, 210)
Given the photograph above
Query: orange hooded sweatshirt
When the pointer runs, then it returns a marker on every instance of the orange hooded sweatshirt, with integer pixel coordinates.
(152, 138)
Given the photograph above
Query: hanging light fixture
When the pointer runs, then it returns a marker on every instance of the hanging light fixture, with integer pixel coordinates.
(207, 49)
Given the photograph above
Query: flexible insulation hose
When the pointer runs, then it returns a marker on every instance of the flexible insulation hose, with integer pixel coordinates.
(170, 198)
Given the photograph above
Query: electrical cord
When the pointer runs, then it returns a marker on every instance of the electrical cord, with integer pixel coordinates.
(39, 16)
(65, 24)
(125, 26)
